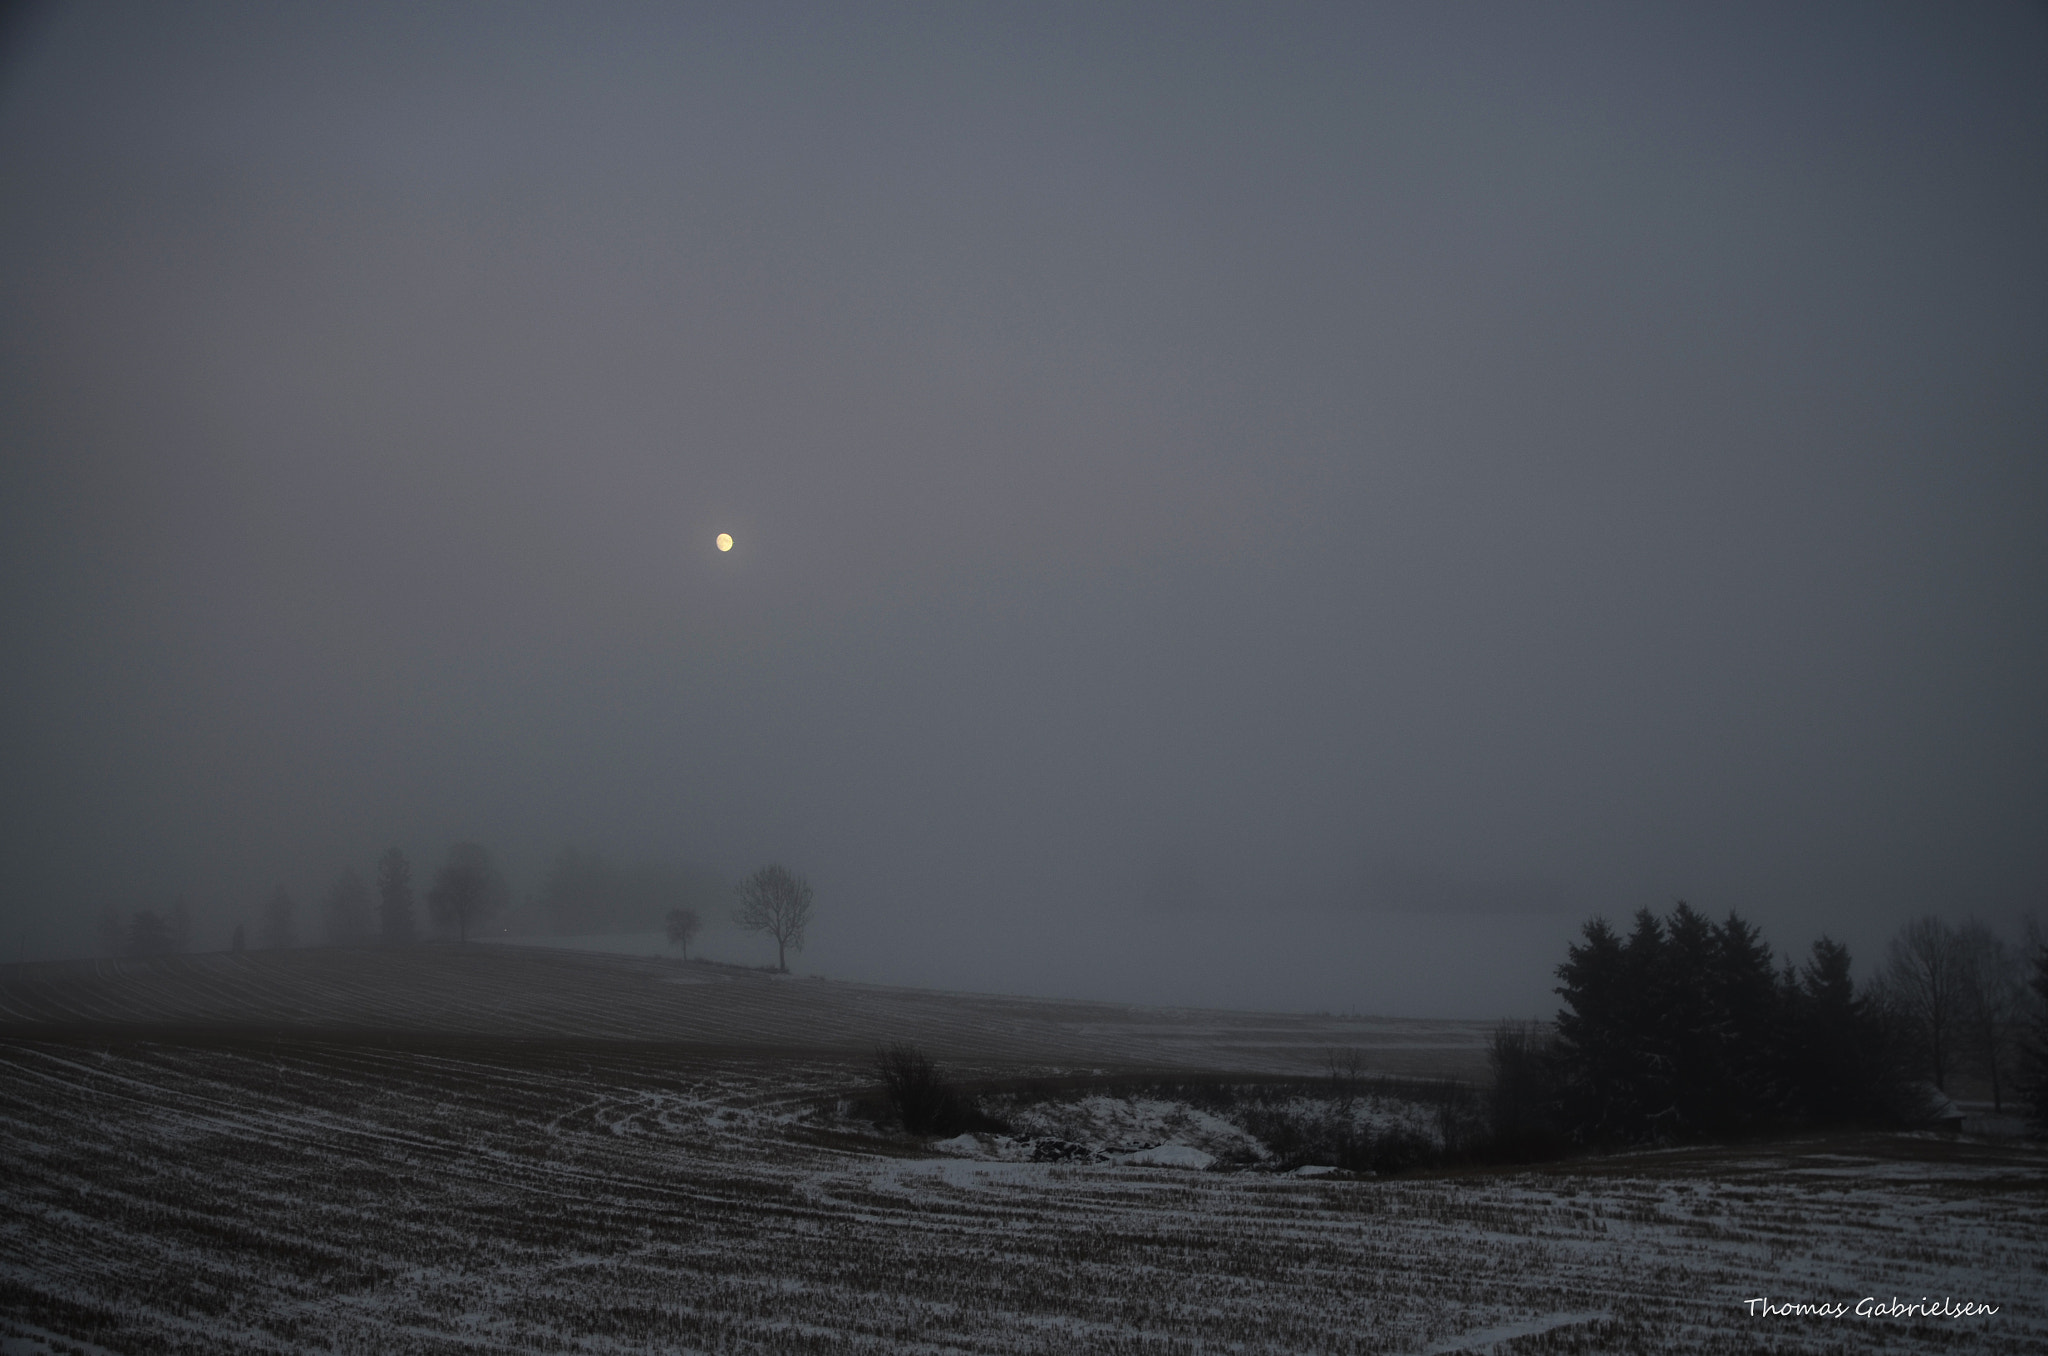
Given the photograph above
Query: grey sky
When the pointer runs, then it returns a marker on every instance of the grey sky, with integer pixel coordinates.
(1292, 508)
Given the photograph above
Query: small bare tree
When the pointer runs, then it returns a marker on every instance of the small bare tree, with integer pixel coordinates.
(1923, 987)
(682, 928)
(1994, 998)
(774, 901)
(920, 1094)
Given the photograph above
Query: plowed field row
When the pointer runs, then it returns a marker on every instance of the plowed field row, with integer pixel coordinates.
(536, 993)
(540, 1197)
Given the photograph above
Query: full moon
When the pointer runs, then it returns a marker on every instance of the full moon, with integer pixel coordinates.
(725, 541)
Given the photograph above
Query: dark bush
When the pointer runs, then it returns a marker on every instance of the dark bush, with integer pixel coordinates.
(1522, 1104)
(923, 1099)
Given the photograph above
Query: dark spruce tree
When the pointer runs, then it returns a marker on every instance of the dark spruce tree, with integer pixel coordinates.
(1840, 1062)
(1597, 1051)
(1686, 1030)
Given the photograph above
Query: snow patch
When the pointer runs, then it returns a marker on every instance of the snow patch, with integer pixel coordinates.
(1170, 1156)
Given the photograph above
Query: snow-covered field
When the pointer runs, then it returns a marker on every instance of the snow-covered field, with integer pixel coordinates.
(228, 1190)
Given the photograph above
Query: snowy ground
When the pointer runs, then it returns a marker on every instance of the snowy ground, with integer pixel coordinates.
(455, 1193)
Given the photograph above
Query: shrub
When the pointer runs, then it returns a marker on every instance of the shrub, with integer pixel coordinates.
(1521, 1103)
(923, 1098)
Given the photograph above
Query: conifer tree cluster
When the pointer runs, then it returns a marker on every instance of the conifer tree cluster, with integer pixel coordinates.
(1684, 1028)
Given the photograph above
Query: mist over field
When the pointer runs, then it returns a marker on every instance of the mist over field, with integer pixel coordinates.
(1286, 509)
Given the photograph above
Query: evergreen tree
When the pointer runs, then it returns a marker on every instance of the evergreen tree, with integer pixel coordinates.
(1839, 1065)
(1743, 993)
(1687, 1028)
(1595, 1037)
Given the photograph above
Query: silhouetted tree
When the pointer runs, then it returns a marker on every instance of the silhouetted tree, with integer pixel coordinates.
(468, 891)
(346, 913)
(277, 929)
(2035, 1040)
(1521, 1104)
(1993, 992)
(1753, 1029)
(923, 1098)
(774, 901)
(1598, 1055)
(1839, 1060)
(239, 941)
(1686, 1028)
(395, 926)
(1923, 991)
(682, 928)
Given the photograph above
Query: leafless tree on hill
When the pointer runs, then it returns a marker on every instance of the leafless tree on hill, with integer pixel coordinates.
(1923, 990)
(683, 925)
(776, 902)
(1994, 999)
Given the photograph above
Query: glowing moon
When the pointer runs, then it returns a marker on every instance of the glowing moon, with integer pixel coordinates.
(725, 541)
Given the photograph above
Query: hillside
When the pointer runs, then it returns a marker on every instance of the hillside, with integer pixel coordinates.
(532, 993)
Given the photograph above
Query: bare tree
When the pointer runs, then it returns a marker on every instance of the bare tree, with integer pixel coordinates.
(2035, 1043)
(277, 930)
(394, 899)
(683, 925)
(467, 891)
(1994, 995)
(774, 901)
(920, 1094)
(1923, 988)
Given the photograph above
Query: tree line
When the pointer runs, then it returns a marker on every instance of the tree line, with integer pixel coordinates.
(1687, 1028)
(468, 891)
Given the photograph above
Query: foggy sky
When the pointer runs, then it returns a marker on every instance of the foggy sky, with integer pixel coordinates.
(1283, 507)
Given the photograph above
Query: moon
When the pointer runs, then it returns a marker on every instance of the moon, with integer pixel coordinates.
(725, 541)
